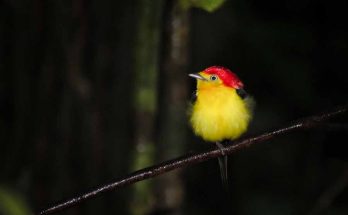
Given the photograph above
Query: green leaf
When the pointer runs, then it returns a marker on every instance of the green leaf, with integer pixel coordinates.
(208, 5)
(12, 204)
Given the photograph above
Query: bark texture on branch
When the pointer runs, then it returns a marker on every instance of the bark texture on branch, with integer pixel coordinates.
(187, 160)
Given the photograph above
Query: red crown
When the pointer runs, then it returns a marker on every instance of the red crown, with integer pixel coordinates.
(227, 76)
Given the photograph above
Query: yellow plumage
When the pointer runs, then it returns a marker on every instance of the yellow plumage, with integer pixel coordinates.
(218, 113)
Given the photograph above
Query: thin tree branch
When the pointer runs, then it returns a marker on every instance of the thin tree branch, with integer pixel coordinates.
(192, 159)
(332, 126)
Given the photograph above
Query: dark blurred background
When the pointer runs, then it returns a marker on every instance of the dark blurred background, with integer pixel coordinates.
(93, 90)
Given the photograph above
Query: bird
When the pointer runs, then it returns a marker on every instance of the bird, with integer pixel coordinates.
(221, 109)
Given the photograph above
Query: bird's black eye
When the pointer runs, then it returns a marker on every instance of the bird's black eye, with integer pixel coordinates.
(213, 78)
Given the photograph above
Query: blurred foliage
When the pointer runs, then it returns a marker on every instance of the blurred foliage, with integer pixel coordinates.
(11, 203)
(145, 78)
(208, 5)
(72, 85)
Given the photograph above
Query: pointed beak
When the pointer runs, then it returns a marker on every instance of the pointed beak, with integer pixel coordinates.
(197, 76)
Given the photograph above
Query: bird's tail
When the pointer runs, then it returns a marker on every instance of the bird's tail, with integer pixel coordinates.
(223, 166)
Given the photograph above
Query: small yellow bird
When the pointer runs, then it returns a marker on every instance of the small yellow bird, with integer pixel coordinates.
(221, 110)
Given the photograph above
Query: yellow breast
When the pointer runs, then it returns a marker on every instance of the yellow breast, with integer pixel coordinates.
(219, 113)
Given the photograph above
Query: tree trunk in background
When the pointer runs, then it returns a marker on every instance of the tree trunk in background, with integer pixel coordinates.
(145, 99)
(69, 95)
(172, 120)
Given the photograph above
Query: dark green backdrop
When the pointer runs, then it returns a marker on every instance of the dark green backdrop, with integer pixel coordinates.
(91, 90)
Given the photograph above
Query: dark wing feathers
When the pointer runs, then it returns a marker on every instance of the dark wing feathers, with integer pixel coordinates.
(242, 93)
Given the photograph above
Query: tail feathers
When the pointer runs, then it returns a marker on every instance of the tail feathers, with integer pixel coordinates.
(223, 166)
(223, 171)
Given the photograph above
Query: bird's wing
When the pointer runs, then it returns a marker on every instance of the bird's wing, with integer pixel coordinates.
(249, 100)
(242, 93)
(193, 97)
(250, 103)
